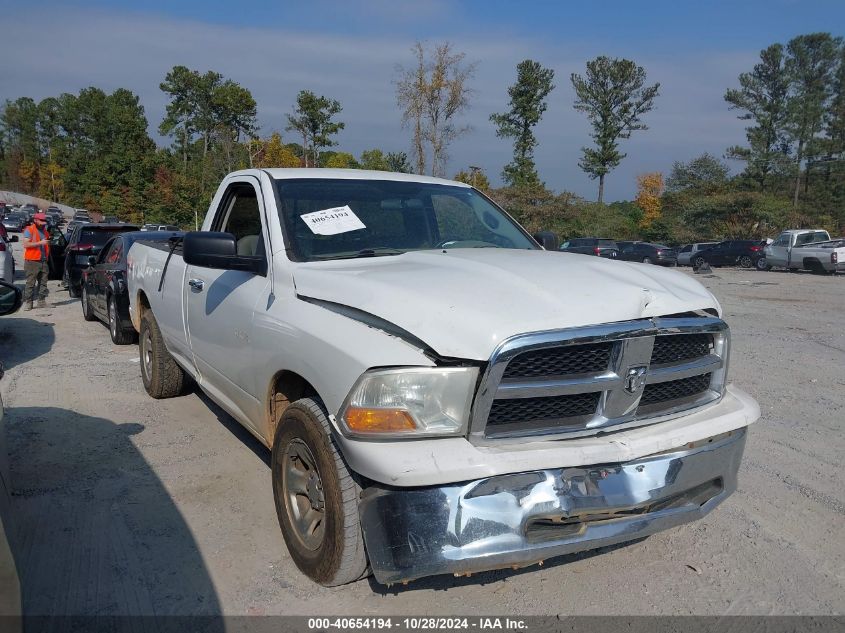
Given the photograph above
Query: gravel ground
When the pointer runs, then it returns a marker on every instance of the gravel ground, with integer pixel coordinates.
(127, 505)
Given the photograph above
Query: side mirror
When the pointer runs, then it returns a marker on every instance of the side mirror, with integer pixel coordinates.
(13, 238)
(92, 261)
(11, 298)
(212, 249)
(547, 240)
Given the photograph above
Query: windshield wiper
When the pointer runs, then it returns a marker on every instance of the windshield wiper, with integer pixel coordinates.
(379, 251)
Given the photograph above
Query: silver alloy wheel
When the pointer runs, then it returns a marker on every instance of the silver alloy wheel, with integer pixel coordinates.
(85, 307)
(746, 262)
(646, 260)
(112, 318)
(147, 354)
(302, 488)
(761, 264)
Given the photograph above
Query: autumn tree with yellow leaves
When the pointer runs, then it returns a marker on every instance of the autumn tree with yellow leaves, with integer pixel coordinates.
(649, 190)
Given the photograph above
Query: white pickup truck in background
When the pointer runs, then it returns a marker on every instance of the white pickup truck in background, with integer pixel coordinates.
(806, 249)
(440, 395)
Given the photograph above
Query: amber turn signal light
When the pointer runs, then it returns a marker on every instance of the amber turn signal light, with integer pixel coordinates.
(378, 420)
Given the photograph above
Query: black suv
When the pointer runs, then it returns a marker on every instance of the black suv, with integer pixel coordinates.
(591, 246)
(85, 241)
(744, 253)
(649, 253)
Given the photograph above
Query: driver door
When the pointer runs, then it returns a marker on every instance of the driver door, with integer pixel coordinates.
(221, 305)
(777, 254)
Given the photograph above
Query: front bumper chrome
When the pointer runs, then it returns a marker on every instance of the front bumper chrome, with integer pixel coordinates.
(520, 519)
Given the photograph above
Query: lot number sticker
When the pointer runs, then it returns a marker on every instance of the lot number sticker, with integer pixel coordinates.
(333, 221)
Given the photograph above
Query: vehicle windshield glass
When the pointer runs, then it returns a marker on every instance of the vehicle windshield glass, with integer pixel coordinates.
(98, 237)
(342, 218)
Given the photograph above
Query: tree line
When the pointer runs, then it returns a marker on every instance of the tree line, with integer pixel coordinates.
(93, 149)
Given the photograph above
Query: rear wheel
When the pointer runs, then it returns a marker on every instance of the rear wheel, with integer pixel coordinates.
(646, 260)
(120, 335)
(162, 376)
(316, 497)
(746, 262)
(87, 313)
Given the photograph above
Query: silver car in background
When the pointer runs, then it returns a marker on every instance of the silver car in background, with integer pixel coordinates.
(686, 253)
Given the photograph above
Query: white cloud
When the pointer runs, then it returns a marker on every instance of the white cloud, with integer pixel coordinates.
(135, 51)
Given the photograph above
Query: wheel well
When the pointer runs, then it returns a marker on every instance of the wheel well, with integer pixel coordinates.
(143, 305)
(285, 388)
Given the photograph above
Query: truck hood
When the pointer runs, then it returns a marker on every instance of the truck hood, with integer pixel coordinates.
(463, 302)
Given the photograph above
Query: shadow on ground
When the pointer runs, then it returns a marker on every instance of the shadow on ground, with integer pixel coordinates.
(23, 339)
(97, 532)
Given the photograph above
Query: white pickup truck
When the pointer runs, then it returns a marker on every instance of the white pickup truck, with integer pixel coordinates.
(807, 249)
(439, 393)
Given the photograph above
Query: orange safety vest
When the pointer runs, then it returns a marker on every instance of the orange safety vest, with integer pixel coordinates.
(33, 253)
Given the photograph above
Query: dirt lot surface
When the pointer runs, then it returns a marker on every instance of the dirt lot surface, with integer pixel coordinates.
(129, 505)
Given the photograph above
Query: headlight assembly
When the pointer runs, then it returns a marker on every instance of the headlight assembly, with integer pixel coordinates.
(409, 402)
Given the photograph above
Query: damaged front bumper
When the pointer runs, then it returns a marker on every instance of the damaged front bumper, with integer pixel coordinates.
(521, 519)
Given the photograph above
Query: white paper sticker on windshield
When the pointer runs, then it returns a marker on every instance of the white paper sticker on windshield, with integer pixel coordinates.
(333, 221)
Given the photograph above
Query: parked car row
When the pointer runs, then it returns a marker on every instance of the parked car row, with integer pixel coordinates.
(807, 249)
(95, 270)
(645, 252)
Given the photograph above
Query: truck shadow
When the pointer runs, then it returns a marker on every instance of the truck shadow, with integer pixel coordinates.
(236, 428)
(97, 533)
(22, 340)
(444, 582)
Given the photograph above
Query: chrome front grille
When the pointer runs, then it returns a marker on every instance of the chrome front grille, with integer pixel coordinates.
(560, 361)
(583, 380)
(661, 392)
(558, 410)
(672, 349)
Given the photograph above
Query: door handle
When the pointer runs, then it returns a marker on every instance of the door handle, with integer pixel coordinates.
(196, 284)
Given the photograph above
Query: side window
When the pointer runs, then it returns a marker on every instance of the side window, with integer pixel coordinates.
(105, 252)
(115, 252)
(782, 240)
(240, 215)
(804, 238)
(687, 248)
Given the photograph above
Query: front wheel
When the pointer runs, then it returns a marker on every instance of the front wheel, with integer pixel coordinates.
(746, 262)
(316, 497)
(699, 262)
(762, 264)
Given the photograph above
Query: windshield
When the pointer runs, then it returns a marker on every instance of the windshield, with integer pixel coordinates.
(342, 218)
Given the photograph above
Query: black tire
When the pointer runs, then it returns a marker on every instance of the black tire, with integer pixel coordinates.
(119, 334)
(162, 376)
(87, 313)
(761, 264)
(816, 268)
(746, 262)
(331, 552)
(698, 262)
(646, 260)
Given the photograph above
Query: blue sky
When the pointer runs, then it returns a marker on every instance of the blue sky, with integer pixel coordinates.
(349, 51)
